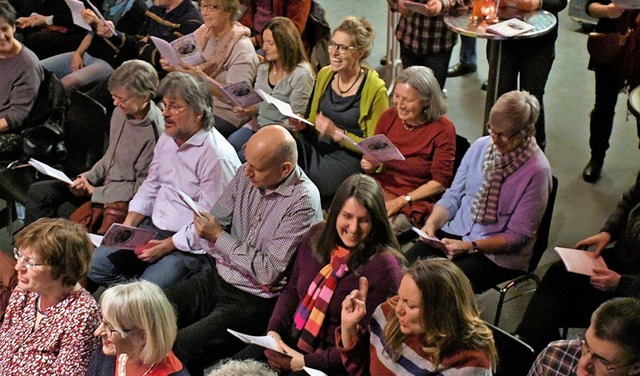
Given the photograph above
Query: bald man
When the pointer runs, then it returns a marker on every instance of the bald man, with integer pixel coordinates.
(252, 233)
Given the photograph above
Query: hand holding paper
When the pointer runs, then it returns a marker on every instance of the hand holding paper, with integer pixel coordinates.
(49, 171)
(283, 107)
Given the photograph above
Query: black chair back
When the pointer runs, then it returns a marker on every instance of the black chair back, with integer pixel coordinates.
(462, 145)
(515, 357)
(542, 240)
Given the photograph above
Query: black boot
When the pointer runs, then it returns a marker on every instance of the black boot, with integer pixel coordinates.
(591, 173)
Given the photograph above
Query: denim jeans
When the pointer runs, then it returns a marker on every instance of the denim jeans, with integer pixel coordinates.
(94, 70)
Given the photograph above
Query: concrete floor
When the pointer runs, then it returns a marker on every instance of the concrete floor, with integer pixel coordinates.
(580, 208)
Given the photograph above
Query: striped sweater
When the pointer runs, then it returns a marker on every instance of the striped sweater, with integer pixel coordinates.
(413, 360)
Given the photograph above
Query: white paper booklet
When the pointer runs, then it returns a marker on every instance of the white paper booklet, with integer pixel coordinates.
(76, 8)
(432, 241)
(283, 107)
(313, 371)
(49, 171)
(239, 93)
(267, 342)
(510, 27)
(100, 16)
(183, 49)
(414, 6)
(96, 239)
(579, 261)
(627, 4)
(377, 147)
(188, 200)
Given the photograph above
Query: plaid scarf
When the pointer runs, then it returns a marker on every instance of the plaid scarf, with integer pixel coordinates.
(496, 168)
(312, 310)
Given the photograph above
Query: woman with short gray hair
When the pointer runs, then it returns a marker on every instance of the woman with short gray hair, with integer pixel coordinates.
(418, 127)
(489, 217)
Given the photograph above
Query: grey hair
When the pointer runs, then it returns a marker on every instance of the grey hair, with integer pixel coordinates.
(194, 90)
(519, 108)
(422, 79)
(248, 367)
(361, 31)
(137, 76)
(618, 321)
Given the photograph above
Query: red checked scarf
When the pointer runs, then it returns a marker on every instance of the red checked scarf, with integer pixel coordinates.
(496, 169)
(312, 310)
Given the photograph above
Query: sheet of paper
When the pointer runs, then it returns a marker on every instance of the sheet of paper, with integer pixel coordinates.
(167, 51)
(432, 241)
(627, 4)
(100, 16)
(188, 200)
(76, 8)
(283, 107)
(414, 7)
(510, 27)
(349, 140)
(96, 239)
(380, 148)
(579, 261)
(313, 371)
(49, 171)
(267, 342)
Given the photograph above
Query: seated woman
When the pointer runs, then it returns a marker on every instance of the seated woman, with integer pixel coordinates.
(47, 27)
(418, 127)
(48, 325)
(348, 100)
(489, 217)
(136, 124)
(285, 74)
(431, 327)
(230, 58)
(94, 58)
(137, 332)
(22, 75)
(355, 240)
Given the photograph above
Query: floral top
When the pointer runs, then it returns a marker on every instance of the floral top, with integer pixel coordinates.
(61, 345)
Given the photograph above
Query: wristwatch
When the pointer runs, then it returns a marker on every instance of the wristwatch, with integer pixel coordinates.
(407, 198)
(474, 248)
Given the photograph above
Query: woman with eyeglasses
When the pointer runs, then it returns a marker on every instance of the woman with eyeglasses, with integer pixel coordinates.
(347, 102)
(229, 58)
(355, 241)
(418, 127)
(135, 126)
(489, 217)
(431, 327)
(137, 331)
(48, 325)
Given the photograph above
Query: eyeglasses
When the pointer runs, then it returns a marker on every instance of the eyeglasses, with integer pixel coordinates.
(173, 109)
(27, 261)
(109, 330)
(501, 135)
(341, 47)
(121, 100)
(599, 359)
(209, 8)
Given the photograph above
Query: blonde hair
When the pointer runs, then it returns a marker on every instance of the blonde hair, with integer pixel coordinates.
(142, 306)
(361, 31)
(449, 314)
(518, 108)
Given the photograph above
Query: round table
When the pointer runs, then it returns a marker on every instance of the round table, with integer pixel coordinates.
(541, 20)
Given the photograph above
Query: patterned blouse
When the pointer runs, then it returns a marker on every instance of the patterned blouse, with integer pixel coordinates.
(61, 345)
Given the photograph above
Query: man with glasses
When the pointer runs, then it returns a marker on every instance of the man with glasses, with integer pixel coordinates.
(190, 156)
(611, 345)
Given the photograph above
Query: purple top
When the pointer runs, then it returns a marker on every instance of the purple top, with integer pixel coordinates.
(383, 271)
(523, 200)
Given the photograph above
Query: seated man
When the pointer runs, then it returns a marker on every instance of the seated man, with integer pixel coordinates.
(566, 299)
(190, 155)
(252, 233)
(610, 346)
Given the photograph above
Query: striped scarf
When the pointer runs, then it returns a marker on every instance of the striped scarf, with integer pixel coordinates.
(312, 310)
(496, 168)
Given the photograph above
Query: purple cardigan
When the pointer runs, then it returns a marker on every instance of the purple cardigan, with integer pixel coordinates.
(523, 200)
(383, 271)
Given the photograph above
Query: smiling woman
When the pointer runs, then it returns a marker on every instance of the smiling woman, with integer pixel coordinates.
(355, 240)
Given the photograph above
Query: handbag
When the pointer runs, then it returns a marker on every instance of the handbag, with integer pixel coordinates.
(97, 218)
(114, 212)
(606, 47)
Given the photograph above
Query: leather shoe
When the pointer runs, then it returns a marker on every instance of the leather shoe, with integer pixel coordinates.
(484, 85)
(460, 70)
(591, 173)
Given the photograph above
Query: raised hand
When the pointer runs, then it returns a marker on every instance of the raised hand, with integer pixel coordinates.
(353, 310)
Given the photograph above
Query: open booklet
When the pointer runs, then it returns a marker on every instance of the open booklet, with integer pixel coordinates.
(430, 240)
(127, 237)
(283, 107)
(579, 261)
(377, 147)
(239, 93)
(183, 49)
(49, 171)
(510, 27)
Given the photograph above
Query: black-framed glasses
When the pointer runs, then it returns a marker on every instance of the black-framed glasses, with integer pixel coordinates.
(501, 135)
(109, 330)
(595, 358)
(27, 261)
(340, 47)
